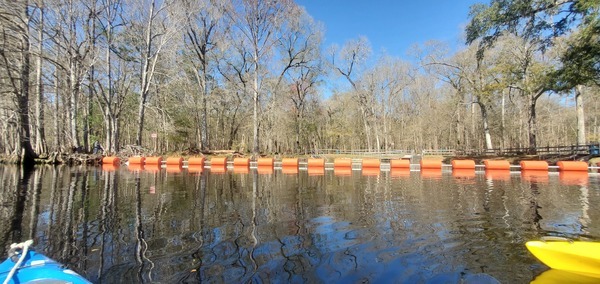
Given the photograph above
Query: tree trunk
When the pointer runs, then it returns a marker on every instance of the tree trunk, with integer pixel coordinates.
(581, 139)
(40, 137)
(255, 147)
(486, 127)
(205, 92)
(532, 125)
(27, 153)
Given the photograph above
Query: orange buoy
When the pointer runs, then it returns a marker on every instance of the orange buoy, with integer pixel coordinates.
(265, 162)
(174, 161)
(316, 171)
(573, 177)
(347, 163)
(289, 169)
(241, 162)
(534, 166)
(195, 168)
(218, 168)
(400, 172)
(138, 160)
(218, 161)
(463, 164)
(174, 168)
(196, 161)
(109, 167)
(111, 160)
(399, 164)
(312, 163)
(496, 165)
(153, 168)
(154, 161)
(431, 164)
(289, 162)
(370, 171)
(342, 171)
(265, 170)
(572, 166)
(371, 163)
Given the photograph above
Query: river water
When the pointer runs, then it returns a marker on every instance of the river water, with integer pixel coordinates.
(175, 226)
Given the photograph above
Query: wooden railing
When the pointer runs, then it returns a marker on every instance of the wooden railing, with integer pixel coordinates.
(367, 153)
(546, 150)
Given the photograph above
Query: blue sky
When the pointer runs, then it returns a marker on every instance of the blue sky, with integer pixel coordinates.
(391, 25)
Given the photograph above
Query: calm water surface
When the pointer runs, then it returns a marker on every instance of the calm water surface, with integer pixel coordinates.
(170, 227)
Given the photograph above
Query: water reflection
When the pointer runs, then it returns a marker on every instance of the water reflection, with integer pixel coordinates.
(191, 225)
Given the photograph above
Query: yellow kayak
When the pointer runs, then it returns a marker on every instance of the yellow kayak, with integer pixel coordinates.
(574, 256)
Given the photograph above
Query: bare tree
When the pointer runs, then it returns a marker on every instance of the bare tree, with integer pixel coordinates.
(352, 55)
(157, 29)
(15, 66)
(204, 27)
(257, 23)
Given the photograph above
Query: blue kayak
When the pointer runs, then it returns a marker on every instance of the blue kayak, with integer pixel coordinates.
(37, 268)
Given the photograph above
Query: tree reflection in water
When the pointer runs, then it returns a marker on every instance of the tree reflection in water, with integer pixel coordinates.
(153, 226)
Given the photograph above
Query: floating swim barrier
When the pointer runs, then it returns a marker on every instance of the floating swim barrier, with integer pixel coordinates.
(342, 170)
(218, 162)
(289, 169)
(154, 161)
(573, 177)
(109, 167)
(431, 164)
(111, 160)
(265, 169)
(496, 165)
(371, 163)
(241, 162)
(153, 168)
(572, 166)
(395, 164)
(137, 160)
(342, 163)
(193, 161)
(174, 161)
(315, 163)
(371, 171)
(174, 168)
(265, 162)
(463, 164)
(195, 168)
(316, 171)
(289, 162)
(534, 166)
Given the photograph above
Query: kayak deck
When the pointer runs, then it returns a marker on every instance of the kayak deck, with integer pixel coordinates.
(574, 256)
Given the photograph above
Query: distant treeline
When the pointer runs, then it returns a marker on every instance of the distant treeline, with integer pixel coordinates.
(254, 76)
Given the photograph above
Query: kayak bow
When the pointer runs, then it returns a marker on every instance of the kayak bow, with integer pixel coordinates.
(28, 266)
(574, 256)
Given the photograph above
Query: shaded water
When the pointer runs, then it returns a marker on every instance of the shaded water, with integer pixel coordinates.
(160, 227)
